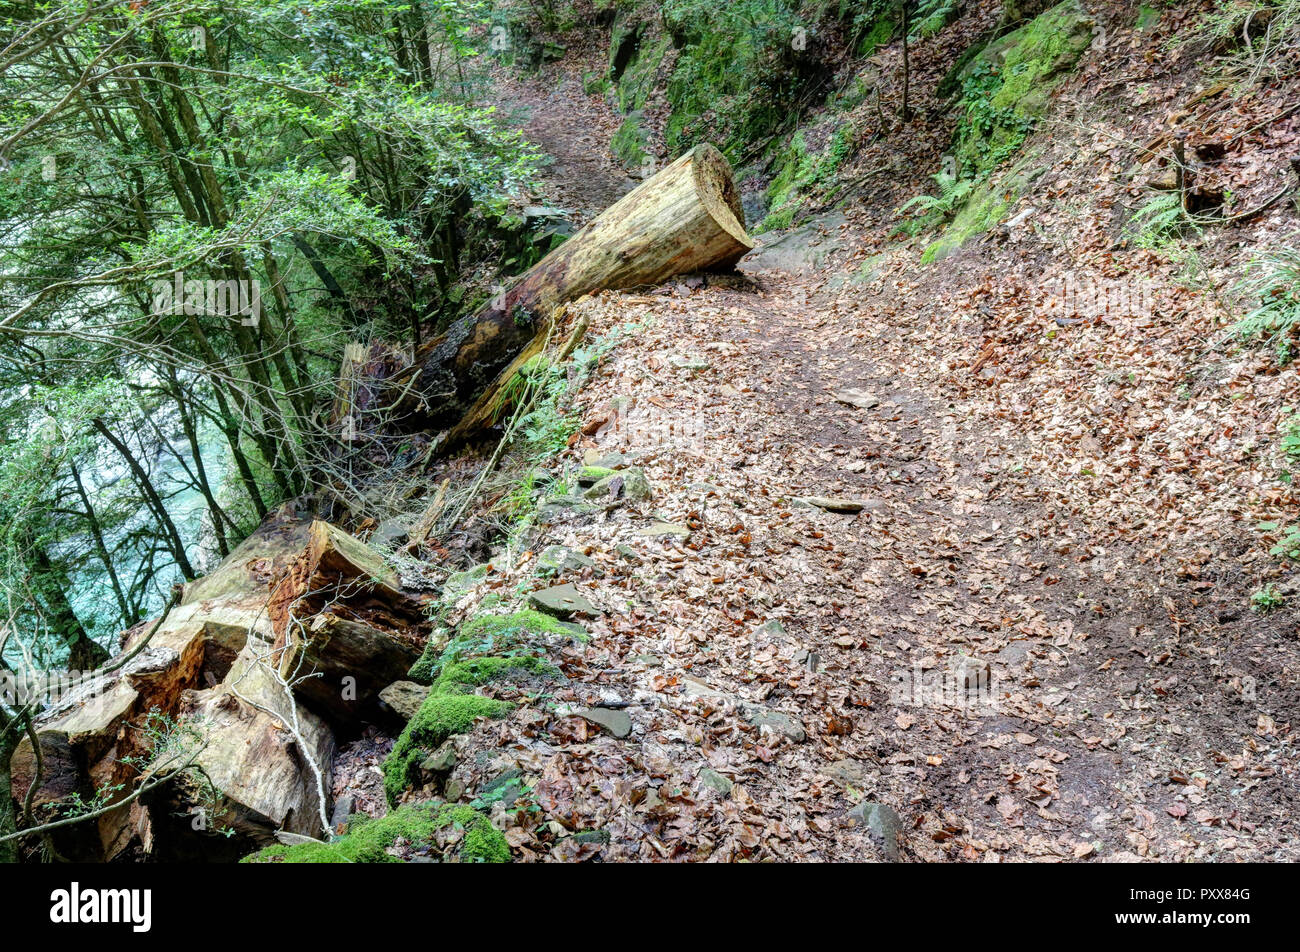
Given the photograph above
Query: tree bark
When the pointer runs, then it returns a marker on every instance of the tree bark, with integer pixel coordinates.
(686, 218)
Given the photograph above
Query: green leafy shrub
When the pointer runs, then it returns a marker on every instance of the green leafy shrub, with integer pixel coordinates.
(935, 209)
(1273, 280)
(1158, 222)
(1266, 599)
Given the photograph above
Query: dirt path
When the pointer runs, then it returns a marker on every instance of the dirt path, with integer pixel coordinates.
(573, 130)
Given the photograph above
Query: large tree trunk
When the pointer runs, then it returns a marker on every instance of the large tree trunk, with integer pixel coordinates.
(686, 218)
(297, 630)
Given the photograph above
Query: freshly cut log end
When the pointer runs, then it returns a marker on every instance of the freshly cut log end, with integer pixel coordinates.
(685, 218)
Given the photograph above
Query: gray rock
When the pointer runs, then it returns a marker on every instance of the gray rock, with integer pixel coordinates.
(714, 780)
(441, 761)
(343, 808)
(783, 724)
(613, 722)
(848, 773)
(629, 485)
(693, 364)
(294, 839)
(390, 533)
(404, 697)
(806, 248)
(561, 601)
(695, 688)
(558, 560)
(458, 583)
(857, 398)
(649, 660)
(557, 508)
(594, 458)
(884, 825)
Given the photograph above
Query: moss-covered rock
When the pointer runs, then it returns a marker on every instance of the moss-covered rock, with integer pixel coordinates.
(417, 826)
(590, 475)
(459, 676)
(629, 143)
(488, 634)
(440, 716)
(800, 172)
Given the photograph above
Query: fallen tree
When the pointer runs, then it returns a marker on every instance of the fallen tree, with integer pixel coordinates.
(293, 634)
(686, 218)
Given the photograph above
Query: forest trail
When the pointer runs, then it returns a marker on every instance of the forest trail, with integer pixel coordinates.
(573, 130)
(818, 659)
(950, 661)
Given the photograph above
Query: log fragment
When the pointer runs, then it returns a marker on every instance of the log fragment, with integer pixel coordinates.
(341, 620)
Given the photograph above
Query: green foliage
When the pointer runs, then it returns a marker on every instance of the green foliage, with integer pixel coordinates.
(1267, 599)
(1008, 86)
(738, 71)
(935, 209)
(989, 133)
(1159, 222)
(418, 825)
(1288, 539)
(800, 172)
(1273, 279)
(931, 16)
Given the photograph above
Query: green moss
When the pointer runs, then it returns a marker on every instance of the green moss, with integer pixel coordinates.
(638, 78)
(488, 634)
(629, 142)
(439, 717)
(418, 824)
(799, 172)
(1008, 85)
(515, 627)
(880, 33)
(459, 675)
(594, 474)
(737, 70)
(987, 205)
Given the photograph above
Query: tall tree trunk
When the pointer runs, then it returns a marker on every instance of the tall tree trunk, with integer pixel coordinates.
(173, 536)
(101, 549)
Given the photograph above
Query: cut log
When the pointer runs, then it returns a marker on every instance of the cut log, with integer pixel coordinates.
(686, 218)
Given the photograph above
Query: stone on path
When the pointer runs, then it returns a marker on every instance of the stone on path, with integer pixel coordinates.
(662, 530)
(884, 825)
(559, 559)
(832, 503)
(629, 485)
(783, 724)
(857, 398)
(714, 780)
(612, 721)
